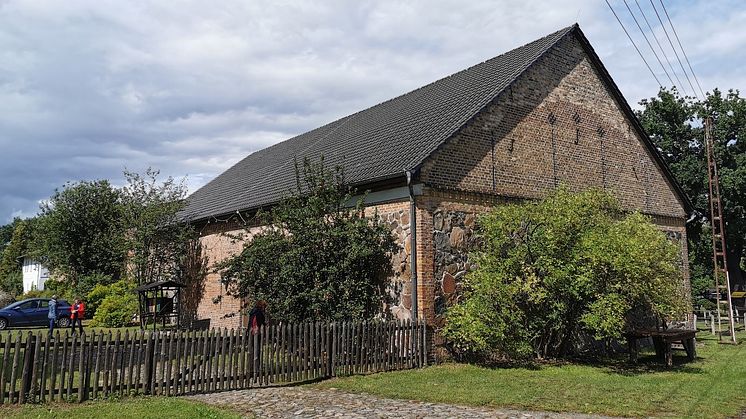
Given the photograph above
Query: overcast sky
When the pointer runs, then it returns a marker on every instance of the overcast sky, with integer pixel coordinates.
(190, 87)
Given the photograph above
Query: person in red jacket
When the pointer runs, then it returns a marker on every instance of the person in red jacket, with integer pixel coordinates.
(77, 314)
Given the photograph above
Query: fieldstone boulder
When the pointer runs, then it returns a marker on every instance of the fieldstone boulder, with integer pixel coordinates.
(470, 220)
(457, 238)
(449, 283)
(438, 221)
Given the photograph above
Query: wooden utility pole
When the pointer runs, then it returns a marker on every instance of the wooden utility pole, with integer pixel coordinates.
(719, 254)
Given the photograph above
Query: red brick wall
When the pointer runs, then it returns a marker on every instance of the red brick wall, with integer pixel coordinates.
(218, 240)
(218, 243)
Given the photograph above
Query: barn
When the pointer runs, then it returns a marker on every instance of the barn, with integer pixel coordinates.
(511, 128)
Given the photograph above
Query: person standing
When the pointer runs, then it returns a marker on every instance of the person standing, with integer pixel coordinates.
(257, 317)
(77, 313)
(52, 314)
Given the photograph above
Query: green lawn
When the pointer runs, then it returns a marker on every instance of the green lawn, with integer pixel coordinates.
(712, 386)
(140, 407)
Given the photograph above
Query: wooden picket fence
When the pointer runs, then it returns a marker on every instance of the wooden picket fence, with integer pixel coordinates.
(77, 368)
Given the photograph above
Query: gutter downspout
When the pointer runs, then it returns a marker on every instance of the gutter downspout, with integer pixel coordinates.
(413, 240)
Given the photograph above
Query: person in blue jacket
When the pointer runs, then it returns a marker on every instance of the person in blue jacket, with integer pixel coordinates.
(52, 315)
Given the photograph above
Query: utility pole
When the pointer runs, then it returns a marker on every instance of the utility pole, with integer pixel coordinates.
(719, 254)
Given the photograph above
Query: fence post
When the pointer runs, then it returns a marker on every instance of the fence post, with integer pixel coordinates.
(28, 359)
(149, 354)
(424, 344)
(81, 369)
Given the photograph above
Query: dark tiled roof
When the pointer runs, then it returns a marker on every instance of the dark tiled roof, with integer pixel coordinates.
(379, 143)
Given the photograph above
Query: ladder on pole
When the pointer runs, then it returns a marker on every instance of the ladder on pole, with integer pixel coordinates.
(719, 255)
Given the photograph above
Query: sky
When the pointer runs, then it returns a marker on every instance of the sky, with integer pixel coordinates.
(91, 88)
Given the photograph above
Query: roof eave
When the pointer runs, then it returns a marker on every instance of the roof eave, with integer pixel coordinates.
(359, 185)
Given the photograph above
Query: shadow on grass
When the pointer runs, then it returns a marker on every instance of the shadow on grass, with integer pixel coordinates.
(648, 364)
(620, 364)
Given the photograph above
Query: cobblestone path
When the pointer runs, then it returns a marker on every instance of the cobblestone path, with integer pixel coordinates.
(303, 402)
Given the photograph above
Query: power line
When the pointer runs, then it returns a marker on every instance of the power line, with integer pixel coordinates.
(672, 47)
(682, 49)
(648, 41)
(659, 45)
(633, 44)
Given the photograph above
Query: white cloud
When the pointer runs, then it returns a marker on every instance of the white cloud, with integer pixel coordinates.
(88, 88)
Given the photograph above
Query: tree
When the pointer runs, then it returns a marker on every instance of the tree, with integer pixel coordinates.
(570, 264)
(157, 239)
(6, 233)
(11, 277)
(317, 257)
(81, 232)
(674, 124)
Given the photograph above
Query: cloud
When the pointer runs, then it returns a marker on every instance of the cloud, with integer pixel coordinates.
(89, 88)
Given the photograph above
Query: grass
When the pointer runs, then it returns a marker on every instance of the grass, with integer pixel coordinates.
(711, 386)
(140, 407)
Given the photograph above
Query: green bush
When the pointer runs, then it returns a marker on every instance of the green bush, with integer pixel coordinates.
(571, 264)
(100, 292)
(116, 310)
(12, 283)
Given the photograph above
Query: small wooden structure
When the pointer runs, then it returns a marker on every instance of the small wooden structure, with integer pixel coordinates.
(159, 300)
(662, 341)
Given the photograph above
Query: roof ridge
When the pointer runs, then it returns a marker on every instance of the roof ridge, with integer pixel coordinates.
(380, 141)
(466, 70)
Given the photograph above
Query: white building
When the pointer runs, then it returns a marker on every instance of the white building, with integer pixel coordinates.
(34, 275)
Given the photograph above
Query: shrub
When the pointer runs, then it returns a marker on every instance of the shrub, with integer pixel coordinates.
(100, 292)
(116, 310)
(112, 305)
(5, 298)
(12, 283)
(571, 264)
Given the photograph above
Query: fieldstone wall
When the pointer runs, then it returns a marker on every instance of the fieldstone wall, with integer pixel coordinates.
(396, 216)
(453, 237)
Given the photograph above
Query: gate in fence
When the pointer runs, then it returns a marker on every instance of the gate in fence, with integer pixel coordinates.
(76, 368)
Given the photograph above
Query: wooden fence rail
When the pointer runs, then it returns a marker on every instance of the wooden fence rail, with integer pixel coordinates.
(79, 367)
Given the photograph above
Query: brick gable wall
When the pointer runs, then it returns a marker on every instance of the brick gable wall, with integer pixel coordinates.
(513, 149)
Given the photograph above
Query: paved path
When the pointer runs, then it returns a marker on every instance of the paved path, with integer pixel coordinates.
(304, 402)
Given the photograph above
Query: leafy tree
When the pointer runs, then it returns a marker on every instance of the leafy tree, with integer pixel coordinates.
(157, 239)
(319, 259)
(674, 123)
(570, 264)
(6, 233)
(11, 277)
(81, 231)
